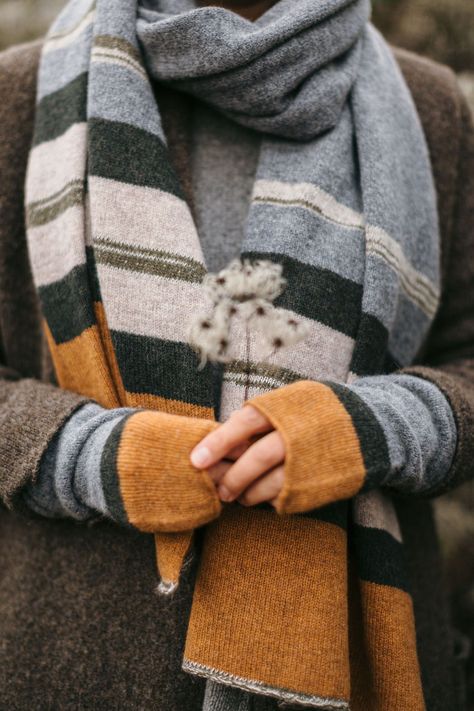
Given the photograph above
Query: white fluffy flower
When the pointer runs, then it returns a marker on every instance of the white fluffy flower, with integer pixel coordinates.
(244, 290)
(209, 334)
(281, 329)
(255, 310)
(244, 281)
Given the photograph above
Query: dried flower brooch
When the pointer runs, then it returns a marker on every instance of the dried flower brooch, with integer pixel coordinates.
(244, 290)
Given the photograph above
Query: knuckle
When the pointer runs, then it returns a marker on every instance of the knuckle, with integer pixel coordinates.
(251, 416)
(223, 439)
(236, 416)
(248, 416)
(235, 483)
(279, 446)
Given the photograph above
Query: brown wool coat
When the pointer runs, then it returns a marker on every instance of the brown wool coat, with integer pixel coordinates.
(80, 626)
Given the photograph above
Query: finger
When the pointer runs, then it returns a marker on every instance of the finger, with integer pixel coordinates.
(266, 488)
(262, 456)
(217, 471)
(238, 451)
(241, 425)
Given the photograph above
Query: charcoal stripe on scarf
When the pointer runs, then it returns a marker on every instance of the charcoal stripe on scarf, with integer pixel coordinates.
(344, 200)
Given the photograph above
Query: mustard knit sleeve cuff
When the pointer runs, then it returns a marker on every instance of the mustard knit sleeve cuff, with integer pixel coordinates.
(335, 447)
(148, 480)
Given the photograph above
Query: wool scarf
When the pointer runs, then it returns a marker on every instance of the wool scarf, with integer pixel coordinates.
(312, 608)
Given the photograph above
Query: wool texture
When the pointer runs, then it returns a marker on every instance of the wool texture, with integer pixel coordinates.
(223, 162)
(116, 298)
(75, 457)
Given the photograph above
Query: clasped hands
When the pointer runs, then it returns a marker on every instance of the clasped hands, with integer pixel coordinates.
(244, 457)
(250, 458)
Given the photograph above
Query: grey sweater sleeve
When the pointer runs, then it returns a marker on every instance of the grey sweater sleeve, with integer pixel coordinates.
(415, 416)
(419, 428)
(69, 481)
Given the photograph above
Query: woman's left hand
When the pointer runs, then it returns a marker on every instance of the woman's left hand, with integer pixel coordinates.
(244, 470)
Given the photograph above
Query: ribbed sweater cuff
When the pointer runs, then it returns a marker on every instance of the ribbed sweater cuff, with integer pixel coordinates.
(148, 479)
(335, 447)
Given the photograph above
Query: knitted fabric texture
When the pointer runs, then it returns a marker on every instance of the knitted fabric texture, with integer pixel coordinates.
(347, 208)
(159, 488)
(341, 471)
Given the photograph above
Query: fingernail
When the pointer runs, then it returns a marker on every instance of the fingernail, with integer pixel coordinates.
(224, 494)
(200, 456)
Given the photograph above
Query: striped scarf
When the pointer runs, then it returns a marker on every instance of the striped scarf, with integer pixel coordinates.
(311, 609)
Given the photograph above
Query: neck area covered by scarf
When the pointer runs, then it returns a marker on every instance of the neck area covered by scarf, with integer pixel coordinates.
(288, 74)
(312, 609)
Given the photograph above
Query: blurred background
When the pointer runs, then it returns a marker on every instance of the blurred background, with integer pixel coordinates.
(444, 31)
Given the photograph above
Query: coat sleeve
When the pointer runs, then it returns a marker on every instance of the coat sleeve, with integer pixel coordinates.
(447, 359)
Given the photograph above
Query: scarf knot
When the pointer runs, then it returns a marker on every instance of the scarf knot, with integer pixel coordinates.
(287, 74)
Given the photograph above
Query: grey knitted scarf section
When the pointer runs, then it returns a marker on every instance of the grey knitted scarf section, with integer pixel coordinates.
(288, 74)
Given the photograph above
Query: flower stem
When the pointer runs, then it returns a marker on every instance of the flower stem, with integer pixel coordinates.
(247, 380)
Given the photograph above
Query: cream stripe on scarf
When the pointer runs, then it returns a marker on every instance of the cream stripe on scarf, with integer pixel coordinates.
(418, 287)
(53, 252)
(307, 196)
(117, 58)
(48, 172)
(161, 216)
